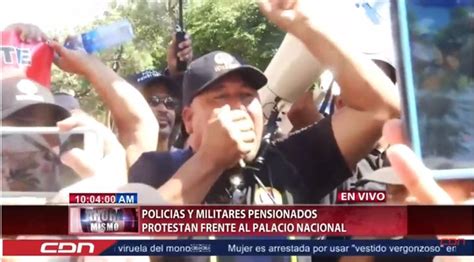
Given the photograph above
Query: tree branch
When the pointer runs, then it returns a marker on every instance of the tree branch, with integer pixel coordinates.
(83, 94)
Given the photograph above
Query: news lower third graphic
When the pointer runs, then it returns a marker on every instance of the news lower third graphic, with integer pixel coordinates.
(258, 225)
(243, 221)
(231, 247)
(103, 220)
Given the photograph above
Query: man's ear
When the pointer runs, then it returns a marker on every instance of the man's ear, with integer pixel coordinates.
(187, 116)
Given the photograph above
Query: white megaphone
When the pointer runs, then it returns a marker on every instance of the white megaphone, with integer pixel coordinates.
(293, 69)
(291, 72)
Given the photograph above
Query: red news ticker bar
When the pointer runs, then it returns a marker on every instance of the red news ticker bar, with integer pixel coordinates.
(417, 220)
(361, 196)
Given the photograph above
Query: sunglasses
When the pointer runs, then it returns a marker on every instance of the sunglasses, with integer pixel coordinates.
(169, 102)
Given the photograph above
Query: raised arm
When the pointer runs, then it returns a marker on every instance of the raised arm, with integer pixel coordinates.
(137, 126)
(370, 96)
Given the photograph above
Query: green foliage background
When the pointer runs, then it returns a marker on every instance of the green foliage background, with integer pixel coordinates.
(235, 26)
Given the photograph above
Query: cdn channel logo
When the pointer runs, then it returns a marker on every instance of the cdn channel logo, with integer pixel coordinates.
(67, 248)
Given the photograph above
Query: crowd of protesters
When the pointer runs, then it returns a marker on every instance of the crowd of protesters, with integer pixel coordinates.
(186, 134)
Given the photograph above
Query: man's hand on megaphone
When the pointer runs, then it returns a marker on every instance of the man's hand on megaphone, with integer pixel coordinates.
(229, 137)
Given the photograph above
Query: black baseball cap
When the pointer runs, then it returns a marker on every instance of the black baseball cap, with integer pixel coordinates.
(148, 77)
(205, 71)
(19, 92)
(66, 100)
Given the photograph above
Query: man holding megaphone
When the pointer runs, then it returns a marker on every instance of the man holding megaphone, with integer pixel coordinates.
(223, 116)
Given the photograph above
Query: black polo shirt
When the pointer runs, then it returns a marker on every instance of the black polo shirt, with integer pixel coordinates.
(304, 167)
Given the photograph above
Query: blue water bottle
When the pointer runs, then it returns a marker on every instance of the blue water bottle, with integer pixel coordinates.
(102, 38)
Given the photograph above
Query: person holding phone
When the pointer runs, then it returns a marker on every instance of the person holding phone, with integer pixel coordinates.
(26, 103)
(32, 162)
(136, 123)
(137, 126)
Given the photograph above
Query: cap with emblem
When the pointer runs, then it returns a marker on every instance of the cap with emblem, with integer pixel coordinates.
(205, 71)
(148, 77)
(19, 93)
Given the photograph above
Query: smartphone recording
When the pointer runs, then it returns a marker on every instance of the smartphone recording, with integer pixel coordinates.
(31, 157)
(436, 47)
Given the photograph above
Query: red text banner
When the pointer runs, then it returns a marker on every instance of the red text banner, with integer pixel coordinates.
(358, 220)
